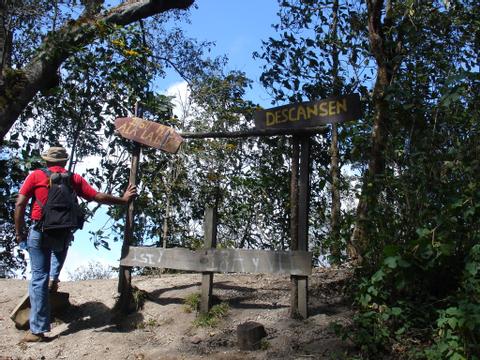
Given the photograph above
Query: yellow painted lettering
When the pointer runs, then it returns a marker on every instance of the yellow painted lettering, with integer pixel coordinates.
(158, 136)
(147, 135)
(135, 121)
(331, 108)
(269, 119)
(277, 116)
(284, 117)
(342, 106)
(290, 115)
(122, 129)
(312, 110)
(301, 112)
(323, 109)
(131, 129)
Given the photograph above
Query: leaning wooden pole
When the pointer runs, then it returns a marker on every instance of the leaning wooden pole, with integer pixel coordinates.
(125, 302)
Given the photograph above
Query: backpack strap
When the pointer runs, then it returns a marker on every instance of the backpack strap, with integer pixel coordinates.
(48, 173)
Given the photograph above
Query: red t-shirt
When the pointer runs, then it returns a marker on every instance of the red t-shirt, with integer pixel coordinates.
(36, 184)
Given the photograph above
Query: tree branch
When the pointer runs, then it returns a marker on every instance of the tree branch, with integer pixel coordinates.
(253, 132)
(21, 85)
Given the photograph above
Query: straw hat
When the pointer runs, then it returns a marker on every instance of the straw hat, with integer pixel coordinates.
(55, 154)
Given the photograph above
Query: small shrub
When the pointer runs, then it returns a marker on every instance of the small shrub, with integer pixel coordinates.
(211, 318)
(264, 344)
(150, 323)
(192, 303)
(139, 297)
(94, 270)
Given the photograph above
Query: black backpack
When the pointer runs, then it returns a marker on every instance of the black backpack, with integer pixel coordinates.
(61, 213)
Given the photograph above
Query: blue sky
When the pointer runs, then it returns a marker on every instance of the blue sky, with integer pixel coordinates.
(237, 28)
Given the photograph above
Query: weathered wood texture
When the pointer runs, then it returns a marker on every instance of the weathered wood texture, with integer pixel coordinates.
(210, 231)
(310, 114)
(149, 133)
(294, 220)
(222, 260)
(254, 132)
(303, 212)
(125, 302)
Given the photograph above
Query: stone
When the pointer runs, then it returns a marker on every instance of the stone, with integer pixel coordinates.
(59, 301)
(250, 335)
(195, 340)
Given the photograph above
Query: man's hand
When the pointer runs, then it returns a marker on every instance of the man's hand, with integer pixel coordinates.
(19, 218)
(21, 237)
(130, 193)
(104, 198)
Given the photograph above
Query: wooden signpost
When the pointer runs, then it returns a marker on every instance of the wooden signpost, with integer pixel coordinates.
(210, 260)
(299, 120)
(309, 114)
(221, 260)
(149, 133)
(293, 118)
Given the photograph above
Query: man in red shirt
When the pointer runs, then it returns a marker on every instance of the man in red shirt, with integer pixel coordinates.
(43, 264)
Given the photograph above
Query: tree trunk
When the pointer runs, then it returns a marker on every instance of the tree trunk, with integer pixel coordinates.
(335, 245)
(5, 42)
(385, 60)
(21, 85)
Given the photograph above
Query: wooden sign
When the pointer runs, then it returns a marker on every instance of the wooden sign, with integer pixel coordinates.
(149, 133)
(309, 114)
(222, 260)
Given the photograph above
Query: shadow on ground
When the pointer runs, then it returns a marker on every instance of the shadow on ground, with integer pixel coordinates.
(96, 315)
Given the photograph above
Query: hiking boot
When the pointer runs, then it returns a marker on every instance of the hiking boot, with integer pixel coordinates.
(53, 286)
(31, 337)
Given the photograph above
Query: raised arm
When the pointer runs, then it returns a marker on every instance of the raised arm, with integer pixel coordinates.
(108, 199)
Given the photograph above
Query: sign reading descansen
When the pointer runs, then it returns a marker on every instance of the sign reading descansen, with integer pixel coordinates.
(309, 114)
(149, 133)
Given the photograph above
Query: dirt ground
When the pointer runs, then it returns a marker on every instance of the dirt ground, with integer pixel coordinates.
(164, 330)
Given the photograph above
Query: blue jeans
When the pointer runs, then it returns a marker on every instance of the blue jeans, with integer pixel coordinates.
(43, 265)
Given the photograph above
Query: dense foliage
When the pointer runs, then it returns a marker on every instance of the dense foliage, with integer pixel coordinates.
(412, 186)
(418, 285)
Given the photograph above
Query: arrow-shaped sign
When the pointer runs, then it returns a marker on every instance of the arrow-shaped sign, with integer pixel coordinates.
(149, 133)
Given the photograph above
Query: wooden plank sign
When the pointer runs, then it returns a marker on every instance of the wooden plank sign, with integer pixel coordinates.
(309, 114)
(222, 260)
(149, 133)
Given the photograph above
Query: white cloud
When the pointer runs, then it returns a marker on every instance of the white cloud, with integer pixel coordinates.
(181, 92)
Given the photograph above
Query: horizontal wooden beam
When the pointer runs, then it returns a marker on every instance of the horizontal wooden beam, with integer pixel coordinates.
(222, 260)
(252, 133)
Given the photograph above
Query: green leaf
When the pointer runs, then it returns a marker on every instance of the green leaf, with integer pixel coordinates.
(472, 268)
(391, 262)
(452, 322)
(396, 311)
(423, 232)
(378, 276)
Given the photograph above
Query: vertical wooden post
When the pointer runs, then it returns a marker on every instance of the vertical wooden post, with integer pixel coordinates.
(125, 302)
(210, 229)
(303, 209)
(294, 222)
